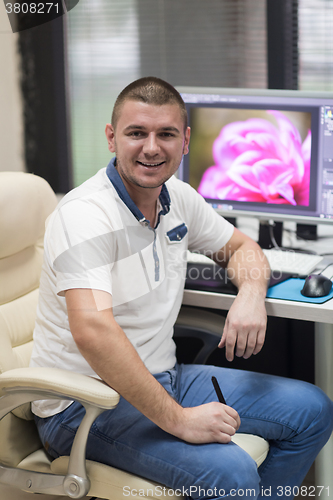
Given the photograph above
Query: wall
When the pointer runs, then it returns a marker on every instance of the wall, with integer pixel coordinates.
(11, 123)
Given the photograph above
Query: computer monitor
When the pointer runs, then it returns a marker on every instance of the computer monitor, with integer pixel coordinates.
(262, 153)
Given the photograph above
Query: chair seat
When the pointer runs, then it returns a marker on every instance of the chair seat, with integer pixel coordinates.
(255, 446)
(114, 484)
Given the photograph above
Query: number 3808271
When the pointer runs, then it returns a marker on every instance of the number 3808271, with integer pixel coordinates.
(31, 8)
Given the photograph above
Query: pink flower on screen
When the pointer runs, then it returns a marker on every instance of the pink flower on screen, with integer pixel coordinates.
(256, 161)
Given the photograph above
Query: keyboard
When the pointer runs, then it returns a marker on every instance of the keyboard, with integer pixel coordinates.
(289, 261)
(204, 275)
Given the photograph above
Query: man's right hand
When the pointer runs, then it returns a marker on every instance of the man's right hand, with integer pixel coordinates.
(209, 423)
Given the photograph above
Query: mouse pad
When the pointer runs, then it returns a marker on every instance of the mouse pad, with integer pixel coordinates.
(291, 290)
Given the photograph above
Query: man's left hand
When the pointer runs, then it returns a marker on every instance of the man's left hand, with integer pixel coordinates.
(245, 326)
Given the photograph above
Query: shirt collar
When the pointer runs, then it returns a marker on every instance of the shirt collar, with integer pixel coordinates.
(119, 186)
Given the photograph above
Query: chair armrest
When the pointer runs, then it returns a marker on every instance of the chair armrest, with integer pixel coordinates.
(56, 383)
(24, 385)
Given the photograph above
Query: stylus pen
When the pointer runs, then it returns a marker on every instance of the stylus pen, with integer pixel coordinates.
(218, 391)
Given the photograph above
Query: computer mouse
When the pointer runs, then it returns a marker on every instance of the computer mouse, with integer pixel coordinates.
(316, 285)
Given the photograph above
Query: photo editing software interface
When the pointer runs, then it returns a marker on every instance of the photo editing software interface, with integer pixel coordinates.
(263, 153)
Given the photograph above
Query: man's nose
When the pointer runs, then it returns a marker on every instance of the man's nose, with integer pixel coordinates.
(151, 146)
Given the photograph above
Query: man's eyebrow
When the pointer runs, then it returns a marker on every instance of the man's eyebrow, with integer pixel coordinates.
(170, 129)
(136, 127)
(141, 127)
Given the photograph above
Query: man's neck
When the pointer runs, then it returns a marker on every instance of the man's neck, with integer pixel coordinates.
(144, 198)
(150, 214)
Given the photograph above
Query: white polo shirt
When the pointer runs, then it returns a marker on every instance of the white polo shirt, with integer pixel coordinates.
(97, 238)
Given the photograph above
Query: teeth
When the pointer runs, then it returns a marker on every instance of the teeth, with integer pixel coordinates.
(151, 164)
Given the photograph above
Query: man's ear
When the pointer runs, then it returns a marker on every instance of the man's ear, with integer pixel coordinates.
(187, 141)
(109, 133)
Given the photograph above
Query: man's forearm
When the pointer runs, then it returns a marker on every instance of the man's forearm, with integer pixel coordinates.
(248, 266)
(245, 326)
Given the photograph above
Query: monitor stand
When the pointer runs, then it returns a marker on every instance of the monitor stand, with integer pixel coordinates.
(265, 228)
(306, 231)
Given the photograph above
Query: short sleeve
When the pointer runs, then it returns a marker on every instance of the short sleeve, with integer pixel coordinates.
(81, 245)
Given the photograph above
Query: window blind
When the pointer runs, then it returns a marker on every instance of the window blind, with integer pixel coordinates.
(315, 45)
(215, 43)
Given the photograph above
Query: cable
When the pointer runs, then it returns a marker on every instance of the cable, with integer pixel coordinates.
(271, 225)
(271, 234)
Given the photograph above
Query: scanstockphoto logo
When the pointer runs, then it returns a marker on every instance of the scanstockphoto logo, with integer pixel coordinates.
(27, 14)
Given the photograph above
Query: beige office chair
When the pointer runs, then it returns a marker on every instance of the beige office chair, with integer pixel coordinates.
(25, 202)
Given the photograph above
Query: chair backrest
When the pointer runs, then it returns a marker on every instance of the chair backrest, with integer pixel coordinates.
(26, 201)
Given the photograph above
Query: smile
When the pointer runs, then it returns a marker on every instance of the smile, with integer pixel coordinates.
(151, 164)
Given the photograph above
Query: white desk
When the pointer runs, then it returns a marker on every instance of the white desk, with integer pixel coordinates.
(322, 315)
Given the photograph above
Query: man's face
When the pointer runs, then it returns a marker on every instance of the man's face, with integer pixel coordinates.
(149, 142)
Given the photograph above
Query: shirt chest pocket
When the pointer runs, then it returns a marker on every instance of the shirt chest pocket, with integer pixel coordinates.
(176, 255)
(177, 234)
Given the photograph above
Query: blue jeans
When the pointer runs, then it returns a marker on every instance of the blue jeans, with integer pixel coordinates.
(295, 417)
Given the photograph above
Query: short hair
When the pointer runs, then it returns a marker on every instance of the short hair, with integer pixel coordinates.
(149, 90)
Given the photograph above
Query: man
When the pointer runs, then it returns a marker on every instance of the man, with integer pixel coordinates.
(111, 289)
